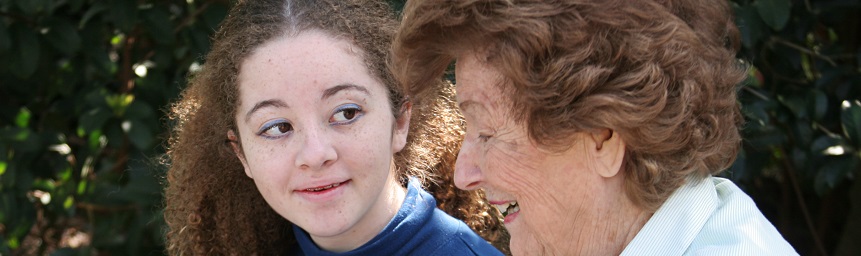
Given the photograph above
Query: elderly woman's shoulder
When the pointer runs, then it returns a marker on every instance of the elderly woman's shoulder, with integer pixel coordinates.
(736, 226)
(710, 216)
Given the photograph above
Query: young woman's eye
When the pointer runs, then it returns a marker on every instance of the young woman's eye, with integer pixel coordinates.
(275, 129)
(346, 114)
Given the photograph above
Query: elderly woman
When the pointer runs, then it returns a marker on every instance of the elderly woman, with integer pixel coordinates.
(594, 126)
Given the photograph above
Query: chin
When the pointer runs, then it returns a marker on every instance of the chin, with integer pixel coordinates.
(323, 223)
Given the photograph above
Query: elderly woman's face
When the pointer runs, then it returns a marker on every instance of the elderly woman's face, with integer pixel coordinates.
(544, 195)
(318, 136)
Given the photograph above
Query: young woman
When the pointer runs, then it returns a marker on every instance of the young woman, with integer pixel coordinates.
(293, 139)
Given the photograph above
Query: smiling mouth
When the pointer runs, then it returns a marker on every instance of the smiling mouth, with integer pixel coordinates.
(508, 208)
(322, 188)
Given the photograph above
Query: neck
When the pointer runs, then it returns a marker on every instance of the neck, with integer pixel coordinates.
(606, 229)
(617, 223)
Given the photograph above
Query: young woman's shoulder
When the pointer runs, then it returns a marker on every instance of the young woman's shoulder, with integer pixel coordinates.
(452, 237)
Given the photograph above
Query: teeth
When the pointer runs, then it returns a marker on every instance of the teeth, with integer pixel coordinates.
(508, 208)
(323, 188)
(514, 209)
(502, 207)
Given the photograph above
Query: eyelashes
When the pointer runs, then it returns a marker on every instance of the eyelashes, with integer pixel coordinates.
(343, 115)
(346, 114)
(275, 129)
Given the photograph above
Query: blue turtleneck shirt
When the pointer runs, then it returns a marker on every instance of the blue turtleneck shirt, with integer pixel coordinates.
(419, 228)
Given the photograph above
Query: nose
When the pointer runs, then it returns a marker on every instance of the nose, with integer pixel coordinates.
(316, 150)
(467, 174)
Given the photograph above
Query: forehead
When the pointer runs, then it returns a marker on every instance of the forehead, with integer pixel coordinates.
(477, 85)
(310, 60)
(311, 47)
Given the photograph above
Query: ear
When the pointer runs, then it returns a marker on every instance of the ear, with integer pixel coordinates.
(609, 152)
(234, 143)
(402, 128)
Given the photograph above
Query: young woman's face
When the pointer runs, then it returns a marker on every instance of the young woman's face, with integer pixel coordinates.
(317, 136)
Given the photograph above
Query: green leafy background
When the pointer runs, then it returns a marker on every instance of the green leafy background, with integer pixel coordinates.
(85, 84)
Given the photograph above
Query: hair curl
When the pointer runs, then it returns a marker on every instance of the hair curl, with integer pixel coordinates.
(213, 208)
(661, 74)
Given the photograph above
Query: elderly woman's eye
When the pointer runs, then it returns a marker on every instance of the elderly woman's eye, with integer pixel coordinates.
(346, 114)
(483, 138)
(275, 129)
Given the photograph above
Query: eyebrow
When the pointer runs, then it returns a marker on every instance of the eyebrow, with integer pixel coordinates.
(332, 91)
(276, 103)
(281, 104)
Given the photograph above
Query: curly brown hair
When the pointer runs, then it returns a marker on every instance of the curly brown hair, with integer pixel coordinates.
(213, 208)
(662, 74)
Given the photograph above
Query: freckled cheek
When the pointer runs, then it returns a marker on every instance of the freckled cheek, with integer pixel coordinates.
(272, 162)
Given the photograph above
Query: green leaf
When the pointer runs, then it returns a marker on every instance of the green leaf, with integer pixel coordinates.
(44, 185)
(25, 177)
(63, 36)
(5, 42)
(822, 143)
(22, 223)
(799, 157)
(802, 131)
(22, 139)
(31, 7)
(143, 184)
(775, 13)
(119, 102)
(97, 8)
(98, 58)
(25, 61)
(69, 202)
(796, 105)
(159, 25)
(139, 134)
(23, 118)
(749, 24)
(850, 118)
(140, 110)
(818, 103)
(75, 5)
(94, 119)
(124, 14)
(7, 181)
(757, 113)
(65, 174)
(833, 171)
(114, 133)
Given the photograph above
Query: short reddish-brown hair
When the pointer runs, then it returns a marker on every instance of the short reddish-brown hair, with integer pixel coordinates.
(655, 72)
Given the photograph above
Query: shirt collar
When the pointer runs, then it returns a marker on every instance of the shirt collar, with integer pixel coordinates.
(672, 228)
